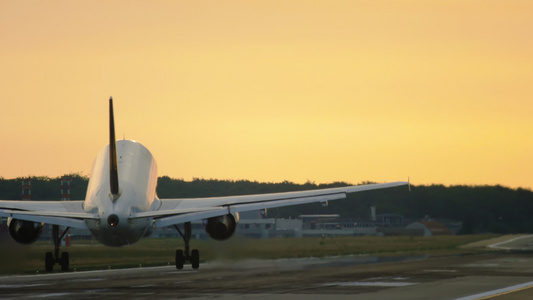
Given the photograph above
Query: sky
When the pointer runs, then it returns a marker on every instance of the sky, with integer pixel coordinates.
(321, 91)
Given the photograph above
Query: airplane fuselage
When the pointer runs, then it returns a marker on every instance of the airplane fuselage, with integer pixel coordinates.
(137, 193)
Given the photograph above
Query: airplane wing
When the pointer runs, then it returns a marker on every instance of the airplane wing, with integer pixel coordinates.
(65, 213)
(176, 211)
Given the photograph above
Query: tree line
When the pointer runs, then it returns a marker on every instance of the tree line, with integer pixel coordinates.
(482, 209)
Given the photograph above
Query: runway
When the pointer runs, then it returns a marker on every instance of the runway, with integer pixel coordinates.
(499, 276)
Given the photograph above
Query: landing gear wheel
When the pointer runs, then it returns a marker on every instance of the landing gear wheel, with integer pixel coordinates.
(64, 261)
(180, 259)
(52, 258)
(192, 257)
(49, 262)
(195, 259)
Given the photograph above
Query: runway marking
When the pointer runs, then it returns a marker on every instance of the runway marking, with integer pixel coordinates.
(145, 285)
(17, 286)
(482, 265)
(107, 271)
(88, 279)
(499, 292)
(498, 245)
(370, 283)
(54, 295)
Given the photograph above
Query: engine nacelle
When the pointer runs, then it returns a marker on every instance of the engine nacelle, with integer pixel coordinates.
(24, 232)
(222, 228)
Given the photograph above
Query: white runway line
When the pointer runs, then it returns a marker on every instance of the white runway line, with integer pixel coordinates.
(17, 286)
(80, 273)
(499, 245)
(506, 290)
(370, 283)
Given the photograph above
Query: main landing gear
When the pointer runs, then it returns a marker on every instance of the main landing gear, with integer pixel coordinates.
(194, 257)
(51, 259)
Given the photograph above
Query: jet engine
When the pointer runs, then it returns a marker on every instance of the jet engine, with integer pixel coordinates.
(222, 228)
(24, 232)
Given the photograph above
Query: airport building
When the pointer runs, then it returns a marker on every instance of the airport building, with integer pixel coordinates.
(306, 226)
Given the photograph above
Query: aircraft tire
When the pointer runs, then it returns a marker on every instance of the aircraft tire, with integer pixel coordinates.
(48, 262)
(180, 259)
(64, 261)
(195, 259)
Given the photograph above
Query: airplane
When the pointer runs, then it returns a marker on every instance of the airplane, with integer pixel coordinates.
(121, 205)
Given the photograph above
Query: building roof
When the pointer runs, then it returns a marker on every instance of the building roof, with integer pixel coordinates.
(436, 228)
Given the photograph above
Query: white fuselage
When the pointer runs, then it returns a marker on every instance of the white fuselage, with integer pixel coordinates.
(137, 171)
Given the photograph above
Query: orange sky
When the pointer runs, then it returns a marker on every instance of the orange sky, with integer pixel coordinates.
(440, 91)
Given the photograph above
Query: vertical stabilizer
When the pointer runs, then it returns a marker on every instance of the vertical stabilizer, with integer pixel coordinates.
(113, 164)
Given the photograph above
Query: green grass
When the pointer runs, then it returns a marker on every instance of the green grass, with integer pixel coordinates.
(84, 255)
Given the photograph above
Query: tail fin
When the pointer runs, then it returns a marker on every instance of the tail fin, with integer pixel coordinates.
(113, 163)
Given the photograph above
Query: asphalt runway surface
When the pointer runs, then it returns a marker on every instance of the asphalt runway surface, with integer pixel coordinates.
(503, 275)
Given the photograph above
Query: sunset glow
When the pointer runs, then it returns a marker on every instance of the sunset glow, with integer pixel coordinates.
(440, 91)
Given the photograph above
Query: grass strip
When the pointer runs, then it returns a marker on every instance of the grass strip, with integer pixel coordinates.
(86, 255)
